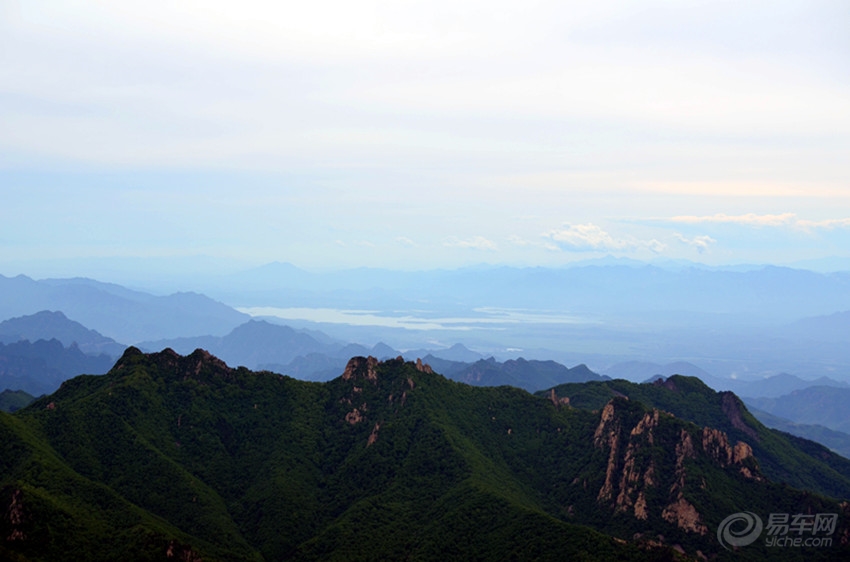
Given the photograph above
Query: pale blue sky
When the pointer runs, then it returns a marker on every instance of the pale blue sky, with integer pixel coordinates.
(424, 134)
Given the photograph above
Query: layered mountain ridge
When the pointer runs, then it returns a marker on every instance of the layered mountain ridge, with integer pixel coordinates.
(184, 457)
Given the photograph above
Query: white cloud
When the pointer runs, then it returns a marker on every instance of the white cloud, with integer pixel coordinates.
(520, 241)
(476, 242)
(827, 224)
(701, 243)
(590, 237)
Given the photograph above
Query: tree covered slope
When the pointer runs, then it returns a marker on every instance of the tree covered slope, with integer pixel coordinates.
(184, 458)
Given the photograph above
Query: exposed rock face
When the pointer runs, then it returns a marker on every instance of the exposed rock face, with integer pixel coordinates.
(373, 437)
(732, 408)
(684, 515)
(354, 416)
(15, 517)
(556, 401)
(667, 383)
(646, 425)
(368, 388)
(423, 367)
(631, 474)
(181, 553)
(716, 444)
(607, 428)
(607, 435)
(635, 478)
(680, 511)
(684, 449)
(361, 368)
(631, 470)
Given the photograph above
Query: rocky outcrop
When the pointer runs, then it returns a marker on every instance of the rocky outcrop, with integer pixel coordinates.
(373, 437)
(366, 387)
(607, 435)
(200, 363)
(14, 518)
(181, 553)
(680, 511)
(685, 516)
(361, 368)
(423, 367)
(354, 416)
(732, 407)
(632, 473)
(635, 478)
(715, 443)
(558, 401)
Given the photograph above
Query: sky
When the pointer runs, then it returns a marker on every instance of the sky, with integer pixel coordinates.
(422, 134)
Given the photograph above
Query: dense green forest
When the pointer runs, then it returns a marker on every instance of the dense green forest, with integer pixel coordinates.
(184, 458)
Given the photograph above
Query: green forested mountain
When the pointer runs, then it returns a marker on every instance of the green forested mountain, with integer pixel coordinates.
(183, 458)
(11, 400)
(782, 457)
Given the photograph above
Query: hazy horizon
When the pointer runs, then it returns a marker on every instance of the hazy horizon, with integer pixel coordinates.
(423, 135)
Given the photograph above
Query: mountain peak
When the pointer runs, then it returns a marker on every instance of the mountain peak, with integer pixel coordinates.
(366, 368)
(361, 368)
(170, 444)
(199, 363)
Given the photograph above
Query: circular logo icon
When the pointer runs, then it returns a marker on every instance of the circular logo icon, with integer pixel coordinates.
(739, 529)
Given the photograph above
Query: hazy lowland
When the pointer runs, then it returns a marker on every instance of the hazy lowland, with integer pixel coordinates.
(734, 323)
(217, 412)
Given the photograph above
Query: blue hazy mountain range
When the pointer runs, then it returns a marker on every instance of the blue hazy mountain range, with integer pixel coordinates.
(741, 323)
(122, 314)
(41, 350)
(815, 405)
(46, 325)
(40, 367)
(602, 289)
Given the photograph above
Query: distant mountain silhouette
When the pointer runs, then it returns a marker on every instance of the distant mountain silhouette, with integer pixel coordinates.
(638, 371)
(40, 367)
(47, 325)
(116, 312)
(326, 366)
(773, 386)
(783, 383)
(530, 375)
(814, 405)
(837, 441)
(831, 328)
(251, 344)
(607, 287)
